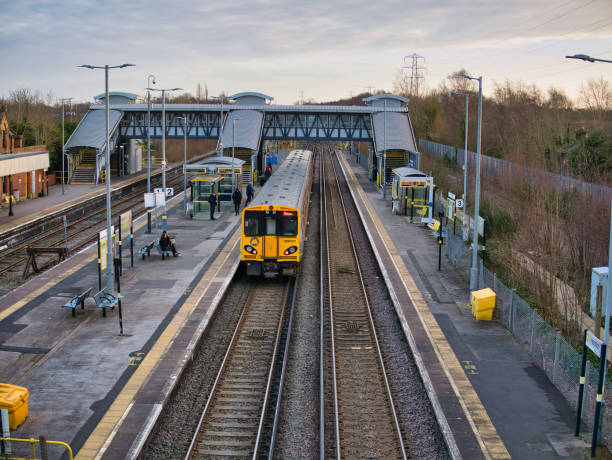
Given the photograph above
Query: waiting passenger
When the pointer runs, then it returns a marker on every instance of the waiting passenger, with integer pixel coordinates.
(250, 191)
(167, 245)
(212, 200)
(268, 172)
(237, 199)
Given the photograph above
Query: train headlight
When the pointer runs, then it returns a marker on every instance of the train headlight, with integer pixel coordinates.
(290, 250)
(250, 249)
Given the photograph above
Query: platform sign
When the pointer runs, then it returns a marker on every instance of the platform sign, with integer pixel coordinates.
(594, 343)
(160, 198)
(149, 200)
(459, 203)
(102, 253)
(126, 225)
(481, 225)
(169, 191)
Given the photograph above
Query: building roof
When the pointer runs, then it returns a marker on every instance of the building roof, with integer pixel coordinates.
(405, 171)
(15, 163)
(111, 94)
(391, 100)
(392, 131)
(265, 97)
(91, 131)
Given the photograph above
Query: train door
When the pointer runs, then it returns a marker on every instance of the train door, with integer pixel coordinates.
(270, 235)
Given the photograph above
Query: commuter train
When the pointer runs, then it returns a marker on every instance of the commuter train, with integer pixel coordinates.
(274, 224)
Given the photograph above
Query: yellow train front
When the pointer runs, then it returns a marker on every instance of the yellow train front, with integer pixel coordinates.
(273, 227)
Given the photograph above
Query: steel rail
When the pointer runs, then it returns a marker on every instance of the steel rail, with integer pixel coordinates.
(226, 359)
(321, 316)
(283, 369)
(331, 316)
(371, 319)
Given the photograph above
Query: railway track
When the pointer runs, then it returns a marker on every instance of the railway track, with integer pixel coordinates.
(80, 232)
(359, 418)
(235, 421)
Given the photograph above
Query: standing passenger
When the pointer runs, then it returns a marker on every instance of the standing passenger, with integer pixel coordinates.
(212, 200)
(237, 198)
(250, 191)
(268, 172)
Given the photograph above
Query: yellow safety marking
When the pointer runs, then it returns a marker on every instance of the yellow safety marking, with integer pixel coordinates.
(599, 397)
(45, 287)
(116, 412)
(582, 380)
(469, 367)
(164, 217)
(484, 430)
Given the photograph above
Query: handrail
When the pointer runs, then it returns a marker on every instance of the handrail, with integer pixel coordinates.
(33, 441)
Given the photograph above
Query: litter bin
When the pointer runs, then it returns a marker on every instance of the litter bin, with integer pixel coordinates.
(483, 303)
(15, 399)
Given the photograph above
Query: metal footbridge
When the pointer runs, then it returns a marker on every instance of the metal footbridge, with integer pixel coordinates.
(385, 123)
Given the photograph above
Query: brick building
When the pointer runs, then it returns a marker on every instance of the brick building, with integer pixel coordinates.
(22, 169)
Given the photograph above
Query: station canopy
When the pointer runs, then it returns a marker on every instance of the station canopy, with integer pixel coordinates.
(91, 131)
(392, 131)
(212, 164)
(15, 163)
(249, 125)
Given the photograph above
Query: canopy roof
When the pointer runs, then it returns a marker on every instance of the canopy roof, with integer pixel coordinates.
(392, 131)
(91, 131)
(249, 124)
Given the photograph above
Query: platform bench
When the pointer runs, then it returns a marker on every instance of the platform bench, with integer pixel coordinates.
(76, 300)
(163, 252)
(105, 300)
(146, 250)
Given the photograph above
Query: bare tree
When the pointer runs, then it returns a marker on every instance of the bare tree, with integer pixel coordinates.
(596, 95)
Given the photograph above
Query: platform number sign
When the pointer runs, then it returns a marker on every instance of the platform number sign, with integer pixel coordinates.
(459, 203)
(169, 191)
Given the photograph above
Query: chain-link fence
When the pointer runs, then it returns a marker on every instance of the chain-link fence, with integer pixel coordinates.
(559, 360)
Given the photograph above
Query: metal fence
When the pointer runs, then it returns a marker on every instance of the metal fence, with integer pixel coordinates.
(551, 352)
(494, 167)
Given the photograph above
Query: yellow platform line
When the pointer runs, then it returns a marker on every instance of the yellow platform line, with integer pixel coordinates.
(484, 430)
(122, 403)
(48, 285)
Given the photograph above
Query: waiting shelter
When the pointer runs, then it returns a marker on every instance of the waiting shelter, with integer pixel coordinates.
(214, 173)
(412, 194)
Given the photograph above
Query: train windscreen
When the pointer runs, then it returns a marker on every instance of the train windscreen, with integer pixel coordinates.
(260, 223)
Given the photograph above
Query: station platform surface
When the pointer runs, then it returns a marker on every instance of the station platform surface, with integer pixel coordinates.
(514, 408)
(27, 210)
(82, 374)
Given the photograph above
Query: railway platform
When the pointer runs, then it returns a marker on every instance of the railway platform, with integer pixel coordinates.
(90, 386)
(492, 399)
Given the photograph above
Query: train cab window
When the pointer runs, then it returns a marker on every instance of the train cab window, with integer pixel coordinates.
(252, 223)
(289, 223)
(270, 220)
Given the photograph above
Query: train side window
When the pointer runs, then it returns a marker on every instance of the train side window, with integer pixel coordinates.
(270, 220)
(252, 223)
(289, 223)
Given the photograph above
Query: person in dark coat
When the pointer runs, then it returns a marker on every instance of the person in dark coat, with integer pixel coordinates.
(250, 191)
(237, 199)
(212, 201)
(167, 245)
(268, 172)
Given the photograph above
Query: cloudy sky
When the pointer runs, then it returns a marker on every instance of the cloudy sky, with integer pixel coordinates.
(324, 50)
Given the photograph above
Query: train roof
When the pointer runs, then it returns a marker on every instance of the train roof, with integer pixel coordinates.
(284, 187)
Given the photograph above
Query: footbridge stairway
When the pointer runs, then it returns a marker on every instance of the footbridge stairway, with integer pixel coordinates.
(85, 172)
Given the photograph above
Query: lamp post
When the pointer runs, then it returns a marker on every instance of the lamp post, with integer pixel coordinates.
(184, 161)
(163, 91)
(233, 149)
(149, 147)
(465, 146)
(474, 269)
(220, 97)
(63, 101)
(109, 255)
(606, 339)
(384, 173)
(585, 57)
